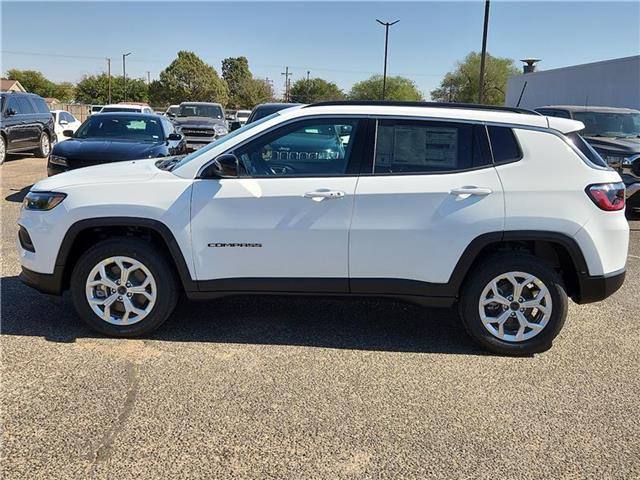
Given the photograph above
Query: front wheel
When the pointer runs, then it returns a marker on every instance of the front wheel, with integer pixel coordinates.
(123, 287)
(514, 304)
(3, 149)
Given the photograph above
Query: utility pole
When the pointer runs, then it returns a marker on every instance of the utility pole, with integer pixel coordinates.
(124, 73)
(148, 77)
(484, 50)
(286, 83)
(109, 75)
(308, 72)
(386, 26)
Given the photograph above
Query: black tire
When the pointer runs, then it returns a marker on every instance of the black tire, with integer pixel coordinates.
(40, 152)
(3, 149)
(164, 276)
(484, 273)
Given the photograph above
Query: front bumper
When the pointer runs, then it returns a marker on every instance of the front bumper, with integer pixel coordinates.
(49, 283)
(195, 143)
(596, 288)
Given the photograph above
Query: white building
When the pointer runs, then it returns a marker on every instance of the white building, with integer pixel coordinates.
(611, 83)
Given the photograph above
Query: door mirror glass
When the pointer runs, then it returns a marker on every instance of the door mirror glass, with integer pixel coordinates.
(67, 133)
(235, 125)
(174, 137)
(223, 166)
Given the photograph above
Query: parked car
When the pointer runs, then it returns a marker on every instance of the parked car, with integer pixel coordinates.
(63, 120)
(241, 116)
(127, 107)
(116, 137)
(615, 134)
(266, 109)
(95, 109)
(201, 123)
(172, 111)
(26, 126)
(501, 211)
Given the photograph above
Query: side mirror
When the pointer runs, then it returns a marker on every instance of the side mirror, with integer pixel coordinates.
(67, 133)
(235, 125)
(223, 166)
(174, 137)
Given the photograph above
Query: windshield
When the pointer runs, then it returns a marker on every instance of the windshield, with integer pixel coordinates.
(222, 140)
(173, 110)
(195, 110)
(120, 109)
(121, 127)
(609, 124)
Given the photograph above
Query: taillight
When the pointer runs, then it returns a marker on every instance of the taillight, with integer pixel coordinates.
(607, 196)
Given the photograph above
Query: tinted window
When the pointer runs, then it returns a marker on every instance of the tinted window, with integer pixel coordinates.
(40, 104)
(195, 110)
(13, 105)
(426, 147)
(586, 149)
(309, 148)
(133, 127)
(120, 109)
(24, 105)
(504, 145)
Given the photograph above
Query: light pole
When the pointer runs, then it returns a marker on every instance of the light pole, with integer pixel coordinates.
(124, 73)
(483, 55)
(109, 75)
(386, 26)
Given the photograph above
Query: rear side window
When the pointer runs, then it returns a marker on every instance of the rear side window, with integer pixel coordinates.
(24, 105)
(504, 145)
(586, 149)
(422, 147)
(41, 105)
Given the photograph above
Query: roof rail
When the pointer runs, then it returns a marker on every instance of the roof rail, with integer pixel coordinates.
(393, 103)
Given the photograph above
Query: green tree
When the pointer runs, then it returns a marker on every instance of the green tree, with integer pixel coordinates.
(188, 78)
(236, 73)
(461, 85)
(33, 81)
(64, 91)
(397, 88)
(253, 92)
(314, 90)
(95, 89)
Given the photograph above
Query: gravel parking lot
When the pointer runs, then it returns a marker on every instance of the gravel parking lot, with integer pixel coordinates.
(309, 388)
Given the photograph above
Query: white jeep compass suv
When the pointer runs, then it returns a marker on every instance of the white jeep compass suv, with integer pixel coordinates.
(501, 211)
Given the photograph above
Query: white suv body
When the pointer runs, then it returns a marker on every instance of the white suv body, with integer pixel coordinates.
(416, 202)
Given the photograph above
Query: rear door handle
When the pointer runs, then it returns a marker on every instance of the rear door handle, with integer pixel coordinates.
(321, 194)
(471, 190)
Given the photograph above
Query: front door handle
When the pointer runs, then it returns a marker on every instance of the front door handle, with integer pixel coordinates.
(324, 193)
(471, 190)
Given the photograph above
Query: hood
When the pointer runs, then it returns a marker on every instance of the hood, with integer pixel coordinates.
(105, 150)
(118, 172)
(198, 121)
(622, 146)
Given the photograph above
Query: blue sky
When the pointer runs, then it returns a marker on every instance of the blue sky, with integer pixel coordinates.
(338, 41)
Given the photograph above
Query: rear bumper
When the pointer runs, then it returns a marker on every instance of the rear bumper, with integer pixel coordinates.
(596, 288)
(49, 283)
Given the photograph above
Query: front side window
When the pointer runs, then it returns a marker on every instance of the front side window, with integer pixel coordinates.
(307, 148)
(416, 146)
(25, 105)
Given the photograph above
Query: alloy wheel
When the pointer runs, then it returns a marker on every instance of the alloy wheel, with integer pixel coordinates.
(45, 144)
(121, 290)
(515, 306)
(3, 150)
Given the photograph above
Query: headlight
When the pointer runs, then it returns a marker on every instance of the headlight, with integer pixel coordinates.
(59, 160)
(220, 130)
(42, 200)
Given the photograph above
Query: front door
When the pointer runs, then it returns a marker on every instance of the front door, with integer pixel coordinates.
(283, 225)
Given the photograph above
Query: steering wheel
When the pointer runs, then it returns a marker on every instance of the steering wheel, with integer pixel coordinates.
(281, 169)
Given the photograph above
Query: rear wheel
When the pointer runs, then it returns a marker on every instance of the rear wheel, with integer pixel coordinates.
(514, 304)
(3, 149)
(44, 147)
(124, 287)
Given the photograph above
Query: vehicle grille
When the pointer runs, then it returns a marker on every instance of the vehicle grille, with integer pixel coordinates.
(198, 132)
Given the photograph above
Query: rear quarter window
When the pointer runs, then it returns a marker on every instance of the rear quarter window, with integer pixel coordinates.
(504, 145)
(586, 149)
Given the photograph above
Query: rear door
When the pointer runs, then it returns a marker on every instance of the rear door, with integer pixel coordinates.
(431, 190)
(283, 225)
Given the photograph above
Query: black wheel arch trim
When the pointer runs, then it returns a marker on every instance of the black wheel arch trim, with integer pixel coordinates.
(165, 233)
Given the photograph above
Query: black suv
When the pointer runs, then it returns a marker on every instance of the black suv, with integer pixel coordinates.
(27, 125)
(615, 134)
